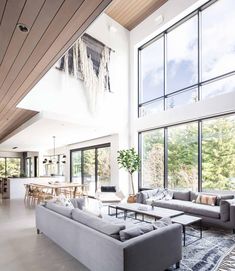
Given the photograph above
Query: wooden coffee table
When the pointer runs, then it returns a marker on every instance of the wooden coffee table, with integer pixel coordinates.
(144, 210)
(187, 220)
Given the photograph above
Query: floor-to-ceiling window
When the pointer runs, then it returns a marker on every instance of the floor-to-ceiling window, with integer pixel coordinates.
(190, 61)
(153, 158)
(218, 153)
(199, 155)
(91, 166)
(183, 156)
(10, 167)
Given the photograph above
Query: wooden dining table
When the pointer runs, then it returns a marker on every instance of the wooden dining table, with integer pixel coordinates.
(57, 186)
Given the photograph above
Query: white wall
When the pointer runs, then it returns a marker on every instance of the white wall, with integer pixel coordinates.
(172, 11)
(64, 95)
(61, 94)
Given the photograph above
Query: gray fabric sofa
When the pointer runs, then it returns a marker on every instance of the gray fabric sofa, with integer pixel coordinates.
(98, 251)
(221, 215)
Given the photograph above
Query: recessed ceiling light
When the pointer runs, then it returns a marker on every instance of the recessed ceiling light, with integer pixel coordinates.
(159, 19)
(23, 28)
(112, 28)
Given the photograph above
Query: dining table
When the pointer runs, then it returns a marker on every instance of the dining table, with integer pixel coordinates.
(56, 187)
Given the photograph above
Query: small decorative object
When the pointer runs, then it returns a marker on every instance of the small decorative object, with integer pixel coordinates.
(129, 160)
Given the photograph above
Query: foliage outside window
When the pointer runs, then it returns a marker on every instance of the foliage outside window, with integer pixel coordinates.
(91, 166)
(153, 158)
(198, 60)
(10, 167)
(218, 154)
(183, 156)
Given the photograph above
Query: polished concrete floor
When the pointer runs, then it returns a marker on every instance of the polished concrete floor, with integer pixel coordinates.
(21, 249)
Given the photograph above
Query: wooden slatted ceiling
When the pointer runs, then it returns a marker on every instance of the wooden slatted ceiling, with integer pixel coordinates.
(132, 12)
(25, 57)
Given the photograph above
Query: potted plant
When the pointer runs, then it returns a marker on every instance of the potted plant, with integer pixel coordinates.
(129, 160)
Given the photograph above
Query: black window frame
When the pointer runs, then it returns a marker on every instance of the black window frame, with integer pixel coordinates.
(96, 148)
(165, 179)
(199, 83)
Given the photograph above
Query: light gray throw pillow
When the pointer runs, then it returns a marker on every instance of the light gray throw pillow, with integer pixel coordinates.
(163, 222)
(135, 231)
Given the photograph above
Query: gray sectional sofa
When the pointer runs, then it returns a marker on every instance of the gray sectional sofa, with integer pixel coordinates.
(94, 241)
(222, 214)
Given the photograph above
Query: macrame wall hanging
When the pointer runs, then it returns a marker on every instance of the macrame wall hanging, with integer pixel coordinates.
(88, 60)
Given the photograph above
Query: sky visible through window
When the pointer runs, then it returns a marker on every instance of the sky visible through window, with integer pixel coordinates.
(216, 51)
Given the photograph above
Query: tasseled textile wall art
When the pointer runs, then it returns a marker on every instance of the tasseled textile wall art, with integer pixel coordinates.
(88, 60)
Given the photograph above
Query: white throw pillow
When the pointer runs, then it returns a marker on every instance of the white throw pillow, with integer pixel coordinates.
(63, 201)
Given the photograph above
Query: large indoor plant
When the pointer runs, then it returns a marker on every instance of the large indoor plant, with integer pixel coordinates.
(129, 160)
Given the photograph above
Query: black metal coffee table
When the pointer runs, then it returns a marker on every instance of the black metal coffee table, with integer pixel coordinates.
(187, 220)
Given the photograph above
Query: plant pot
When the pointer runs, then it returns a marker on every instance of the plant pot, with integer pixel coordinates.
(131, 199)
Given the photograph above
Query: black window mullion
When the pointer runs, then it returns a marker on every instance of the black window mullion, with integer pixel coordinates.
(199, 53)
(140, 155)
(138, 90)
(165, 157)
(96, 168)
(165, 70)
(82, 166)
(200, 156)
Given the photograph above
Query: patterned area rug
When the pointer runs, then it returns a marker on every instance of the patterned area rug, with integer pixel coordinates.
(228, 262)
(206, 254)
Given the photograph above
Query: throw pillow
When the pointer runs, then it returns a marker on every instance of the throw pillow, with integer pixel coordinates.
(168, 194)
(135, 231)
(78, 202)
(63, 201)
(163, 222)
(206, 199)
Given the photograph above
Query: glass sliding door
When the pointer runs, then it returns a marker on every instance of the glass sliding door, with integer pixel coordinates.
(89, 170)
(218, 153)
(91, 166)
(103, 163)
(76, 173)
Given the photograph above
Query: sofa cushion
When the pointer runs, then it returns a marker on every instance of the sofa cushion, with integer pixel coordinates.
(78, 202)
(96, 223)
(190, 207)
(65, 211)
(182, 195)
(224, 210)
(135, 231)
